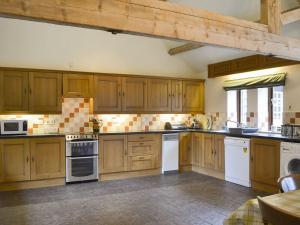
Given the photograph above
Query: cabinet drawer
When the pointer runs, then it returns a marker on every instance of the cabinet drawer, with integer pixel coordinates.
(141, 148)
(141, 162)
(143, 137)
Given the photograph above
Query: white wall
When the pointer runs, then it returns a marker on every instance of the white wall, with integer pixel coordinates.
(216, 100)
(29, 44)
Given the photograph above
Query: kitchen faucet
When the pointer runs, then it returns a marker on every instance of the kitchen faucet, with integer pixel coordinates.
(239, 125)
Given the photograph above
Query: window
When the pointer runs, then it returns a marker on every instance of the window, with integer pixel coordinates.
(237, 107)
(270, 108)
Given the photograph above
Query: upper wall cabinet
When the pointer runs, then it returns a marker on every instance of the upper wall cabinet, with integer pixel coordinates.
(159, 95)
(77, 85)
(45, 90)
(193, 96)
(30, 92)
(108, 94)
(134, 94)
(176, 96)
(13, 91)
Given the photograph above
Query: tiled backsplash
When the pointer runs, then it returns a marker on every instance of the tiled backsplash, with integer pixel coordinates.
(76, 117)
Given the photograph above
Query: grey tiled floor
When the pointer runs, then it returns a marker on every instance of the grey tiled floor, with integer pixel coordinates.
(178, 199)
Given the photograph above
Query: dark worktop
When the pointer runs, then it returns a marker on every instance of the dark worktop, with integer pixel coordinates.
(224, 132)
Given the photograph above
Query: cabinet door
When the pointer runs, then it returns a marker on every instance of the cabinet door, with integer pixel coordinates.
(197, 149)
(219, 151)
(77, 85)
(113, 154)
(176, 96)
(265, 156)
(208, 151)
(14, 160)
(185, 151)
(47, 158)
(159, 95)
(45, 92)
(107, 94)
(13, 91)
(193, 96)
(134, 94)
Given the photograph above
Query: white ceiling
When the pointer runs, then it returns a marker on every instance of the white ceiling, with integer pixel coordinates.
(198, 59)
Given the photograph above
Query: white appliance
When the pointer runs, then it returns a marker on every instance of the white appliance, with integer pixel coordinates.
(170, 152)
(289, 158)
(13, 127)
(237, 161)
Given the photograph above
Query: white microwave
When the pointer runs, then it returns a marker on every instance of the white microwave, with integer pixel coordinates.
(13, 127)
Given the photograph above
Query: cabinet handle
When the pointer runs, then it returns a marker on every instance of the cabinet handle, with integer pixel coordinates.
(251, 158)
(184, 95)
(169, 94)
(27, 159)
(25, 91)
(141, 158)
(30, 91)
(120, 93)
(141, 143)
(173, 95)
(123, 94)
(32, 159)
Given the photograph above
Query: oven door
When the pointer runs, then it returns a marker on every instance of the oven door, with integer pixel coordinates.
(81, 148)
(81, 168)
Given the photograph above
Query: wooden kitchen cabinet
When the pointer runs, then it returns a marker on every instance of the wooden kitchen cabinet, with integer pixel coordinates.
(176, 96)
(134, 96)
(108, 94)
(209, 157)
(113, 153)
(265, 164)
(159, 95)
(185, 149)
(197, 149)
(13, 91)
(45, 92)
(144, 152)
(193, 96)
(77, 85)
(219, 151)
(47, 158)
(214, 152)
(14, 160)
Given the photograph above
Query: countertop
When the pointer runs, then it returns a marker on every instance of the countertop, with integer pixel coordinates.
(224, 132)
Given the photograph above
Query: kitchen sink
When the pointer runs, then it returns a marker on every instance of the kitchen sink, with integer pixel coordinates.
(242, 130)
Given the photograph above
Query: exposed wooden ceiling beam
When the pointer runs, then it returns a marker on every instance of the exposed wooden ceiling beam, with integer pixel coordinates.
(156, 19)
(290, 16)
(270, 15)
(184, 48)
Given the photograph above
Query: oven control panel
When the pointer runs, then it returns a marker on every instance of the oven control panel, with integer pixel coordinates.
(74, 137)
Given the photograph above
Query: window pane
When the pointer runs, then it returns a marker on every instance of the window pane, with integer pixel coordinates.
(232, 107)
(277, 103)
(244, 106)
(262, 109)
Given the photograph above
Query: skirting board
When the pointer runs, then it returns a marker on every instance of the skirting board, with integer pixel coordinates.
(125, 175)
(32, 184)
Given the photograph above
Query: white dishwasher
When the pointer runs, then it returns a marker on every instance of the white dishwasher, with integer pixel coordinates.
(170, 153)
(237, 161)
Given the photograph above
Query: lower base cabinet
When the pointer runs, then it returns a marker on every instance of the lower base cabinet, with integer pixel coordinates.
(265, 164)
(185, 149)
(31, 159)
(113, 154)
(208, 151)
(48, 159)
(123, 153)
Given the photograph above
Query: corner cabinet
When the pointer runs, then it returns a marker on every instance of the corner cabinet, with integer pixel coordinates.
(108, 94)
(193, 96)
(265, 164)
(77, 85)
